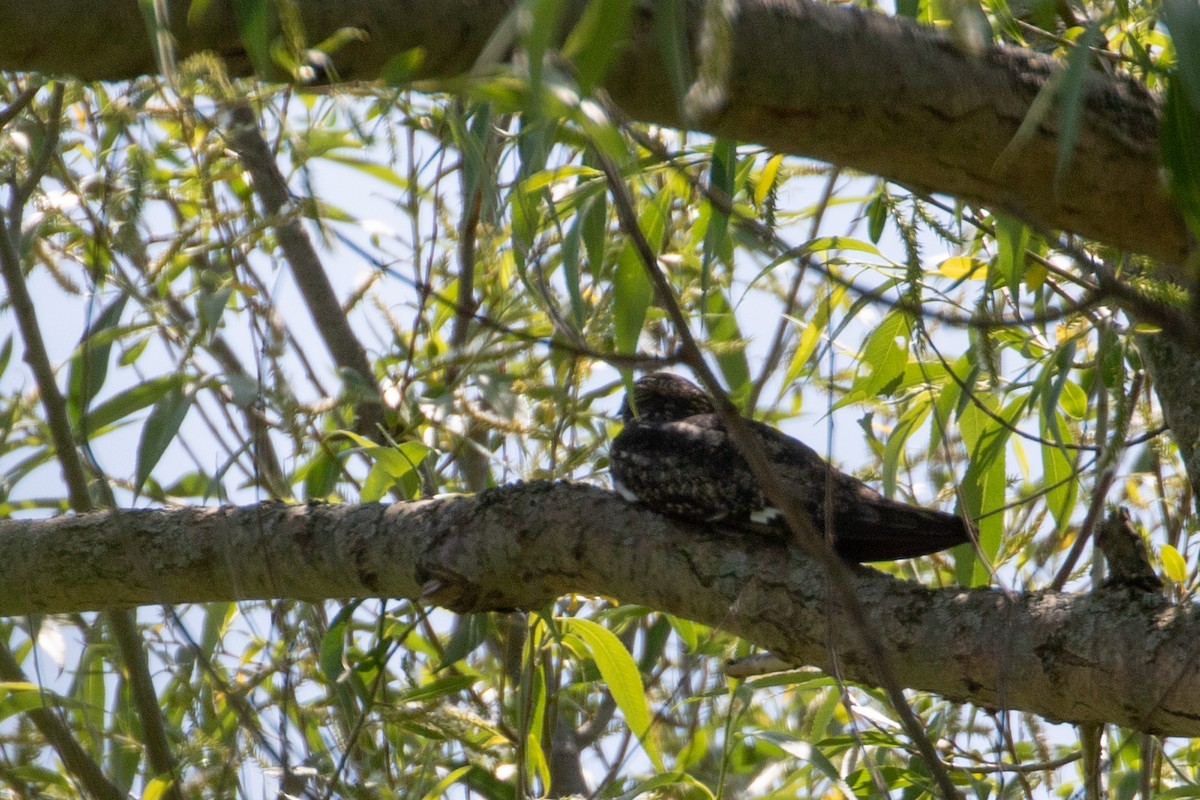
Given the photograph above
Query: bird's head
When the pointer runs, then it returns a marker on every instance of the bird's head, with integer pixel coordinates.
(662, 397)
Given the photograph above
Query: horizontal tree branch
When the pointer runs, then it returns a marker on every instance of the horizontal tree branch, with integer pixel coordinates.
(853, 88)
(1113, 656)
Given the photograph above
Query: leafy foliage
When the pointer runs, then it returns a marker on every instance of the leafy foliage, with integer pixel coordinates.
(472, 242)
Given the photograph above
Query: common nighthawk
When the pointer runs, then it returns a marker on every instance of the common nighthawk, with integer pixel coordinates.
(675, 456)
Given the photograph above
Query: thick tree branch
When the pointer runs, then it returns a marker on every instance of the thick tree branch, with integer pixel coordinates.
(1106, 657)
(853, 88)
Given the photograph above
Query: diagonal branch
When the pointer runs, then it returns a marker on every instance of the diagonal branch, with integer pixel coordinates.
(1117, 656)
(306, 268)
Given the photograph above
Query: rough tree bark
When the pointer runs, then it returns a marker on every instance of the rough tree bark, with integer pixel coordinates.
(1115, 656)
(854, 88)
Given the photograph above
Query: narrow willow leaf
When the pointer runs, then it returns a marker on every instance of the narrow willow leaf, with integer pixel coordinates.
(160, 430)
(1174, 566)
(89, 366)
(1180, 145)
(1070, 97)
(1058, 473)
(620, 672)
(631, 300)
(766, 179)
(631, 288)
(726, 341)
(983, 488)
(254, 24)
(893, 451)
(571, 267)
(133, 399)
(670, 28)
(1012, 238)
(447, 685)
(1183, 21)
(439, 789)
(877, 216)
(597, 39)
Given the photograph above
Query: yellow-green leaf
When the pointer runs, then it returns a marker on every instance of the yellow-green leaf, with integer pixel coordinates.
(766, 179)
(156, 788)
(958, 267)
(620, 672)
(451, 778)
(1173, 564)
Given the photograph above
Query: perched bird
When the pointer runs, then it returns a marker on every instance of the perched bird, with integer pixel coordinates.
(1125, 552)
(675, 456)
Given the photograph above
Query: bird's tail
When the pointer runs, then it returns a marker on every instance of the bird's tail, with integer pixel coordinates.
(896, 531)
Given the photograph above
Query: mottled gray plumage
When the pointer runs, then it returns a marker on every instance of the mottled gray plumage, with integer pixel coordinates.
(1125, 552)
(674, 456)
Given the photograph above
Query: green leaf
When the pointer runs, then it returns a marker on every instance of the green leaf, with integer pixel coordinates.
(811, 336)
(1180, 145)
(726, 340)
(631, 287)
(17, 697)
(963, 267)
(255, 23)
(156, 788)
(160, 430)
(893, 450)
(983, 488)
(133, 399)
(446, 685)
(1182, 18)
(470, 631)
(1060, 480)
(394, 467)
(877, 216)
(571, 269)
(718, 246)
(439, 789)
(399, 69)
(670, 28)
(375, 485)
(6, 354)
(597, 39)
(619, 671)
(651, 787)
(1012, 239)
(823, 715)
(89, 366)
(595, 230)
(376, 170)
(333, 645)
(685, 629)
(804, 751)
(332, 657)
(1071, 93)
(884, 358)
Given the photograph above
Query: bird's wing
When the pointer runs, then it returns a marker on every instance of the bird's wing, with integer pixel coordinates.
(866, 525)
(687, 467)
